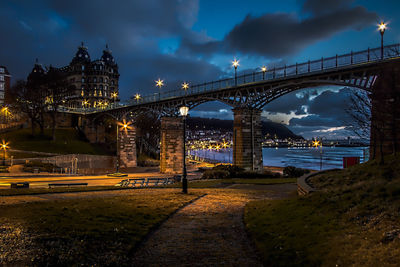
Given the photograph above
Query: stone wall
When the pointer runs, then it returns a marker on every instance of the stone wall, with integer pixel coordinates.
(171, 151)
(247, 139)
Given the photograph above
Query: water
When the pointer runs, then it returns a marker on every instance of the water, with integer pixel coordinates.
(332, 157)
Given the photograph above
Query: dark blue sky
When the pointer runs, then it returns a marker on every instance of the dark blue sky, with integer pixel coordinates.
(195, 41)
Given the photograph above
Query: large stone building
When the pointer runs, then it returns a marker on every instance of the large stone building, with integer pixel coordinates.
(95, 82)
(5, 79)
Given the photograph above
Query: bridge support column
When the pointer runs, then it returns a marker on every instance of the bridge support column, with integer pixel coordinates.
(385, 119)
(247, 139)
(171, 149)
(127, 147)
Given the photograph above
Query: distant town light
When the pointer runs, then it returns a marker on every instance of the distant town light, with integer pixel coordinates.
(137, 97)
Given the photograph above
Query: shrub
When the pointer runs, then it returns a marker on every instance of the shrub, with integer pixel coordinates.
(233, 170)
(254, 175)
(215, 174)
(294, 172)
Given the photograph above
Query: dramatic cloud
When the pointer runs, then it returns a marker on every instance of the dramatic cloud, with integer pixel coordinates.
(282, 34)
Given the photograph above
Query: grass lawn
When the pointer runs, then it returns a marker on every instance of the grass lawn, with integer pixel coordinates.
(221, 182)
(67, 142)
(36, 191)
(353, 220)
(88, 231)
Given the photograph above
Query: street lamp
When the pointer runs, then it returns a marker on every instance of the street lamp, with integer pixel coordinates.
(184, 112)
(4, 146)
(185, 86)
(159, 84)
(137, 97)
(235, 64)
(114, 95)
(264, 70)
(316, 144)
(382, 27)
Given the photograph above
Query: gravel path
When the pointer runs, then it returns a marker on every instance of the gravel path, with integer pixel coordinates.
(208, 232)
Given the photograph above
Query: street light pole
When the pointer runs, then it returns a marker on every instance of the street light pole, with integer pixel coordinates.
(382, 28)
(235, 64)
(184, 111)
(117, 167)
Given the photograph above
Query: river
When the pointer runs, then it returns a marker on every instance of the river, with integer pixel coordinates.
(309, 158)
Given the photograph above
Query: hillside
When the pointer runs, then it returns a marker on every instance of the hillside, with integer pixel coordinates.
(268, 127)
(353, 220)
(68, 141)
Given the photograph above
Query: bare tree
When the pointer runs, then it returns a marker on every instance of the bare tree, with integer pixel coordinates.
(29, 99)
(57, 88)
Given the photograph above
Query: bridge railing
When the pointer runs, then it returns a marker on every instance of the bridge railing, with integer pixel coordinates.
(305, 68)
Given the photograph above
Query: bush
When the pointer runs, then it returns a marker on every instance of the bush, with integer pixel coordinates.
(294, 172)
(215, 174)
(232, 171)
(41, 166)
(254, 175)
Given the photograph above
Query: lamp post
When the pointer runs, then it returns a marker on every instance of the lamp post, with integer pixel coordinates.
(184, 112)
(114, 95)
(317, 144)
(159, 84)
(235, 64)
(185, 87)
(264, 70)
(382, 27)
(4, 146)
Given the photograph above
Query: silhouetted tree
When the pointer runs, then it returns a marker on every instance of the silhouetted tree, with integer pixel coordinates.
(57, 88)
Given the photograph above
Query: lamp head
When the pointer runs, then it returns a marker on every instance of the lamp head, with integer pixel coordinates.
(235, 63)
(184, 111)
(382, 27)
(160, 83)
(185, 86)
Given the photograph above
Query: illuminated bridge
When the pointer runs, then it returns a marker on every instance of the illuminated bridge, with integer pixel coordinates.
(374, 70)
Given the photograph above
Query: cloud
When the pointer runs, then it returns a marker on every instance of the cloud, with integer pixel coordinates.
(282, 34)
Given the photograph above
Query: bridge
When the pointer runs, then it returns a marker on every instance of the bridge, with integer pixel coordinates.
(370, 70)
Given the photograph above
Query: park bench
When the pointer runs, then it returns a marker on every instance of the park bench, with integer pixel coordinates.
(67, 184)
(132, 182)
(20, 185)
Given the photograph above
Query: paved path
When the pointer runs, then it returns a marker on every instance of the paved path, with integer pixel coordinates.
(208, 232)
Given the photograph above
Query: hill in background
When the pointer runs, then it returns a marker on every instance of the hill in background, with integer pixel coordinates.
(268, 127)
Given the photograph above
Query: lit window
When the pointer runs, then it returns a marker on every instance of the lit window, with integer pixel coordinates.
(1, 70)
(1, 77)
(1, 86)
(106, 80)
(83, 67)
(94, 79)
(83, 80)
(112, 82)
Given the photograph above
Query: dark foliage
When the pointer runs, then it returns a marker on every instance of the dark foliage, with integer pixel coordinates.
(291, 171)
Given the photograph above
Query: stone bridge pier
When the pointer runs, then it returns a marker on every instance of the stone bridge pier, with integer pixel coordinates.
(385, 113)
(247, 139)
(171, 148)
(127, 147)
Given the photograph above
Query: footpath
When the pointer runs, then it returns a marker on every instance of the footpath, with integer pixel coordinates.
(210, 231)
